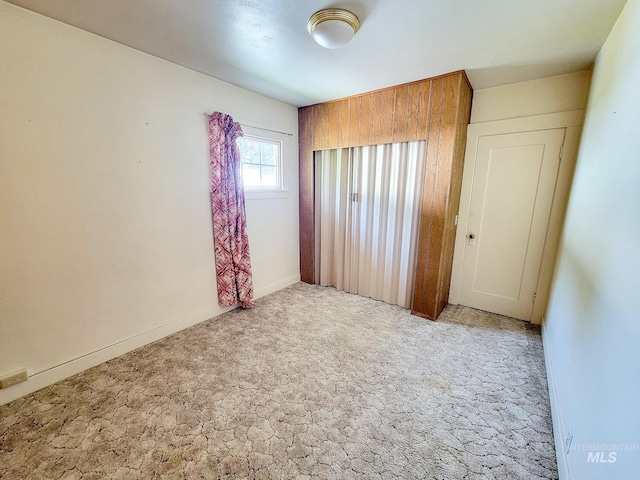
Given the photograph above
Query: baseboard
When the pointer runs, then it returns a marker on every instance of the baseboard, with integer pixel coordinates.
(274, 287)
(54, 374)
(558, 432)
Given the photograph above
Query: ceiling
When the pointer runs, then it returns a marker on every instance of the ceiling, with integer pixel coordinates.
(263, 45)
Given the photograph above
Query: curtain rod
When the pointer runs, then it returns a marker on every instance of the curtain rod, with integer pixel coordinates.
(258, 128)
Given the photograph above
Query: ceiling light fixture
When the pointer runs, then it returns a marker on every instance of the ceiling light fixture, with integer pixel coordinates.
(333, 27)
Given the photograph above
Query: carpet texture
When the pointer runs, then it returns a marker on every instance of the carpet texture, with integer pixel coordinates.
(311, 383)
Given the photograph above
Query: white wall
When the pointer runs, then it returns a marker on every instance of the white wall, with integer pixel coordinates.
(536, 97)
(551, 102)
(592, 332)
(105, 225)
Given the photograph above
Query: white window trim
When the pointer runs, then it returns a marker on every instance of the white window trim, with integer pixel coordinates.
(279, 169)
(265, 194)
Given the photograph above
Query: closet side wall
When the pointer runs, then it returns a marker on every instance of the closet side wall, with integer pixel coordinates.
(448, 119)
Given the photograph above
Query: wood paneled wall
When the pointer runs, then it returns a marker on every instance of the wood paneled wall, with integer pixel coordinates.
(436, 110)
(446, 142)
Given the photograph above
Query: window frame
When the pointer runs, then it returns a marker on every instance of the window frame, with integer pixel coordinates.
(278, 164)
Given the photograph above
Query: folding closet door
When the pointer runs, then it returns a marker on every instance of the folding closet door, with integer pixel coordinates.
(367, 208)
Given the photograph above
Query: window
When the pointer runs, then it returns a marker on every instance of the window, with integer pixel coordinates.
(261, 162)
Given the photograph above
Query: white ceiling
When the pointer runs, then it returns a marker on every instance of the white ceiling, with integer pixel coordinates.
(263, 45)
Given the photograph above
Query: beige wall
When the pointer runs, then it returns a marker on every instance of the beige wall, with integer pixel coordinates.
(105, 223)
(592, 333)
(536, 97)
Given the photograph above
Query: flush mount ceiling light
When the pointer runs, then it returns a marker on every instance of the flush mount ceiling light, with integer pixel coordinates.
(333, 27)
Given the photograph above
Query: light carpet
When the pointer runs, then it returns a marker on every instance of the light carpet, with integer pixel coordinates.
(311, 383)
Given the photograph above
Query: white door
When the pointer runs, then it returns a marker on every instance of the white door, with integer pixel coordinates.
(512, 193)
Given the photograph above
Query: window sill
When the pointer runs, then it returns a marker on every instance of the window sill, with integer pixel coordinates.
(266, 194)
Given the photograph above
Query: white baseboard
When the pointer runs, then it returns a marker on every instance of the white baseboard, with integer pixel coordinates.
(59, 372)
(559, 434)
(274, 287)
(54, 374)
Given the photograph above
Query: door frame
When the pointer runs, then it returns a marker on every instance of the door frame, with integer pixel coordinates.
(572, 121)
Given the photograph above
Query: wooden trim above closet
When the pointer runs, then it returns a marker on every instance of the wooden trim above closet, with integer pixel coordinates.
(436, 110)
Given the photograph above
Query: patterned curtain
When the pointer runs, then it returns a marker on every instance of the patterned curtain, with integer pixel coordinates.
(231, 243)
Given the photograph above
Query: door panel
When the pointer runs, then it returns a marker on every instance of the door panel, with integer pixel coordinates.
(367, 211)
(512, 194)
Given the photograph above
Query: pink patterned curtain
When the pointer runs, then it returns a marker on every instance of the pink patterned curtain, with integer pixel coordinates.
(231, 243)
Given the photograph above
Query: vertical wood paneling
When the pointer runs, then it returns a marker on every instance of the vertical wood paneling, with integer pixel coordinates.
(318, 127)
(355, 126)
(343, 123)
(423, 105)
(436, 110)
(413, 111)
(306, 126)
(440, 194)
(376, 113)
(387, 111)
(442, 187)
(463, 114)
(401, 114)
(432, 126)
(332, 124)
(366, 120)
(306, 132)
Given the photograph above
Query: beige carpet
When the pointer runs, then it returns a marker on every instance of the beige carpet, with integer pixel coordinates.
(311, 383)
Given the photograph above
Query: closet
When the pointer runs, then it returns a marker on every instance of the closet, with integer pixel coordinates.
(436, 111)
(367, 209)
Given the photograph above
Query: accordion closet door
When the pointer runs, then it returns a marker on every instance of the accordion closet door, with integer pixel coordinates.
(367, 211)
